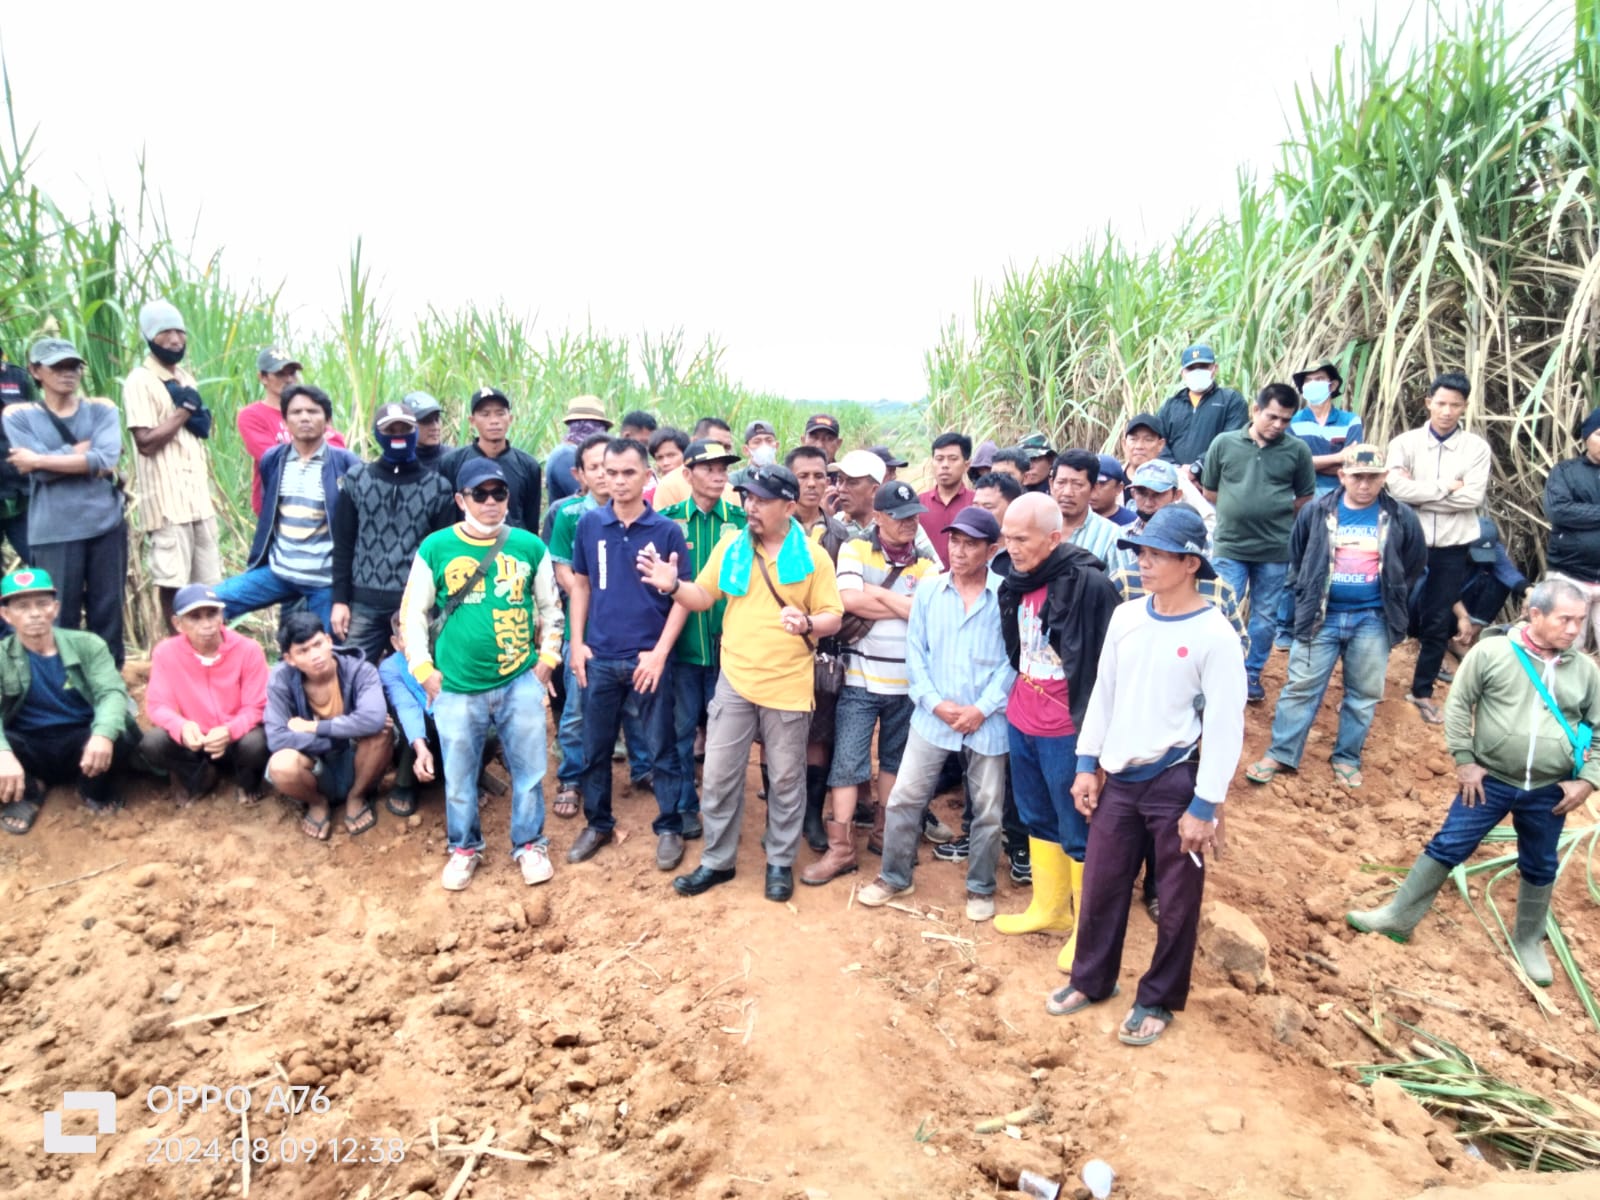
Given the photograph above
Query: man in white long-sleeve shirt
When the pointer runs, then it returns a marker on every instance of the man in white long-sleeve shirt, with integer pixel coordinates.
(1170, 671)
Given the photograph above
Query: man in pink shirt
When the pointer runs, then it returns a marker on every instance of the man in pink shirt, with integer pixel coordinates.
(950, 493)
(261, 424)
(205, 700)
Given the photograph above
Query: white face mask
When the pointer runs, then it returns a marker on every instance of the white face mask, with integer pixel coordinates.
(764, 455)
(1197, 379)
(477, 530)
(1317, 391)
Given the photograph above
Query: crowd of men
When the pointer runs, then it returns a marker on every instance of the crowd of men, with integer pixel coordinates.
(1069, 637)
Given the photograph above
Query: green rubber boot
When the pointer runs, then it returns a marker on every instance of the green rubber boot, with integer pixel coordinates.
(1396, 919)
(1533, 906)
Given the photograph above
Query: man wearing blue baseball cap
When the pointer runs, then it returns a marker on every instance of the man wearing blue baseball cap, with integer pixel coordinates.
(1105, 497)
(1144, 770)
(953, 639)
(1193, 416)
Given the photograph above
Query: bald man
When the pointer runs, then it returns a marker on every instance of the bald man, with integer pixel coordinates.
(1055, 606)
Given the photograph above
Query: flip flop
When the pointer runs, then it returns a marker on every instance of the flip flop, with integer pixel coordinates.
(393, 803)
(23, 812)
(1428, 708)
(1056, 1004)
(1348, 774)
(566, 803)
(364, 821)
(317, 831)
(1264, 770)
(1128, 1035)
(102, 806)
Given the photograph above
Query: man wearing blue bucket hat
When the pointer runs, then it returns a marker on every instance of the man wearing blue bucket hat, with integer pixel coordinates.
(1170, 672)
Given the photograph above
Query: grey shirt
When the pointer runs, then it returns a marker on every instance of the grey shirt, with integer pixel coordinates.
(70, 508)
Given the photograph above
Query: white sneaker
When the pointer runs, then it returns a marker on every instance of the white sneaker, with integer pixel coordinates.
(535, 863)
(880, 891)
(458, 871)
(979, 908)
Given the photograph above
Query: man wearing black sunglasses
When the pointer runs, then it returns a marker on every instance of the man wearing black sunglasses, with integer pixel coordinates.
(484, 657)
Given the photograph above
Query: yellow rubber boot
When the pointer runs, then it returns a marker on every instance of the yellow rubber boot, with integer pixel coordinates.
(1051, 906)
(1070, 950)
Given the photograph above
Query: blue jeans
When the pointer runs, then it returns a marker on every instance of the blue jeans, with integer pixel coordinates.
(1042, 771)
(609, 693)
(1361, 639)
(692, 689)
(259, 587)
(516, 712)
(569, 733)
(1264, 582)
(1538, 829)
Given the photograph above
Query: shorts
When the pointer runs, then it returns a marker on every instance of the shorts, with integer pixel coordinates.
(859, 712)
(335, 771)
(185, 554)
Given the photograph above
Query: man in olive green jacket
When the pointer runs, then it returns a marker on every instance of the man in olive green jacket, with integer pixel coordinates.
(64, 710)
(1515, 755)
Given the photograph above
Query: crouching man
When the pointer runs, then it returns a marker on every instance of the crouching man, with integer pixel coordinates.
(1518, 721)
(326, 727)
(206, 698)
(64, 711)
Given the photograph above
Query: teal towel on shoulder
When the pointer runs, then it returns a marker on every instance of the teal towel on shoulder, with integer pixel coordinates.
(739, 560)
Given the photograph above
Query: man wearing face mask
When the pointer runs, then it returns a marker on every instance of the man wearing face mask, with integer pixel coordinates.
(431, 446)
(586, 416)
(170, 424)
(383, 512)
(1193, 416)
(1324, 429)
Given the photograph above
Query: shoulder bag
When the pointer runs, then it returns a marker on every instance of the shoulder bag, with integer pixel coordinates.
(436, 622)
(113, 477)
(827, 674)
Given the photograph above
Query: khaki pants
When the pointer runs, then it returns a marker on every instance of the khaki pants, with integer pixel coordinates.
(185, 553)
(732, 723)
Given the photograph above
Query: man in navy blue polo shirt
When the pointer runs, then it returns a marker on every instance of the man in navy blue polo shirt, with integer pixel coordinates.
(622, 636)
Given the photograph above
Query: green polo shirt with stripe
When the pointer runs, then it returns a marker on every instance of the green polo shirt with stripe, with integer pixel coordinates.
(697, 644)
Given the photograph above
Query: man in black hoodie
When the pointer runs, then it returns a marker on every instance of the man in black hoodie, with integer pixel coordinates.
(15, 387)
(384, 510)
(1572, 503)
(431, 446)
(1055, 606)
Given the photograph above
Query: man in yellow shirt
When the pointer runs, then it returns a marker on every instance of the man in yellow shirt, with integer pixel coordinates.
(782, 596)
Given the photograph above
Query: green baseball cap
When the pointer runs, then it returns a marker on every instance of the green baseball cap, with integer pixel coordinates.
(26, 582)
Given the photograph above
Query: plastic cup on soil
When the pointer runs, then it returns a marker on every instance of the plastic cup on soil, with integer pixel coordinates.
(1097, 1177)
(1032, 1184)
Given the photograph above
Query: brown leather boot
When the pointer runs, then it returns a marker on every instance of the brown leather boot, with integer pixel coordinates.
(880, 816)
(839, 860)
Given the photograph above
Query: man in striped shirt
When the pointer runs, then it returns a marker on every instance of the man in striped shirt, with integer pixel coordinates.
(292, 553)
(877, 576)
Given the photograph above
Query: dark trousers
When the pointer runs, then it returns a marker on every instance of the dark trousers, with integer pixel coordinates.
(1129, 813)
(1436, 618)
(90, 578)
(50, 756)
(369, 631)
(196, 771)
(1532, 816)
(610, 690)
(15, 530)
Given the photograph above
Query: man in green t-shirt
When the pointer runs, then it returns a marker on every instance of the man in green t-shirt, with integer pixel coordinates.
(1258, 477)
(704, 517)
(490, 666)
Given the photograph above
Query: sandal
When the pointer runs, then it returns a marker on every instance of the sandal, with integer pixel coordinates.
(1129, 1035)
(1348, 774)
(18, 816)
(317, 831)
(1056, 1005)
(1264, 770)
(97, 807)
(402, 802)
(568, 801)
(364, 820)
(1429, 709)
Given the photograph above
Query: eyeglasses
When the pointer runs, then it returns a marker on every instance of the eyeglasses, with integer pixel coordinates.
(483, 495)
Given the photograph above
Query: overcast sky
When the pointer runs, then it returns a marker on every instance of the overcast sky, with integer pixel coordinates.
(821, 187)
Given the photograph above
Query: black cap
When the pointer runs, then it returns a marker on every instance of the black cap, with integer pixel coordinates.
(707, 451)
(488, 395)
(898, 499)
(890, 458)
(771, 483)
(1146, 421)
(822, 423)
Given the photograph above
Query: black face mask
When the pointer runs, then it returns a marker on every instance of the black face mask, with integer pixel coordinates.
(167, 358)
